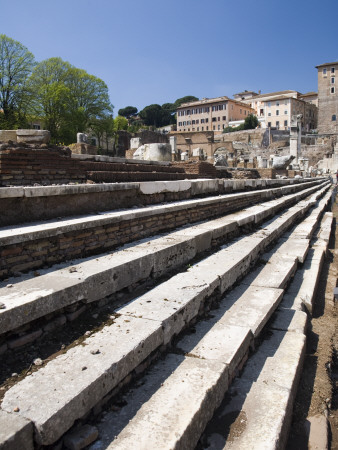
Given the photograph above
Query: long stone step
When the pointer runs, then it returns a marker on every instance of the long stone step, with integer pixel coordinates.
(23, 204)
(95, 278)
(171, 407)
(33, 246)
(269, 381)
(73, 383)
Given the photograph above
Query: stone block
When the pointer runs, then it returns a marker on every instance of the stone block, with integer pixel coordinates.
(15, 432)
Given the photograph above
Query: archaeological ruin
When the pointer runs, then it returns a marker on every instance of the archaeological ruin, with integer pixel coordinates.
(147, 297)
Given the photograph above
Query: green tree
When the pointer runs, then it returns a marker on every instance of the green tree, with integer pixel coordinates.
(127, 112)
(186, 99)
(152, 115)
(120, 123)
(250, 122)
(16, 64)
(67, 98)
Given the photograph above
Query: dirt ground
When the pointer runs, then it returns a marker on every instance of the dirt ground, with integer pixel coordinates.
(317, 393)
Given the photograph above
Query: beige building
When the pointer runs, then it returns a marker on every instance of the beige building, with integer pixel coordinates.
(275, 110)
(328, 98)
(210, 114)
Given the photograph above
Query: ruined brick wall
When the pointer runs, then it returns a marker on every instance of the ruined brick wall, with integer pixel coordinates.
(23, 165)
(34, 254)
(198, 168)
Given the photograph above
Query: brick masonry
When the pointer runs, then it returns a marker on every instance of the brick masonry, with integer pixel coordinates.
(35, 254)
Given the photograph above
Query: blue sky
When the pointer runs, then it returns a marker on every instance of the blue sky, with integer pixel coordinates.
(155, 52)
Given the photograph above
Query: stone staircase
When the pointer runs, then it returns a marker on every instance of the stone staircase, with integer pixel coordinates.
(164, 338)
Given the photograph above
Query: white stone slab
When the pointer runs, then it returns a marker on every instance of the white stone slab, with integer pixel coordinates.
(16, 433)
(290, 320)
(276, 273)
(71, 384)
(224, 343)
(249, 307)
(169, 410)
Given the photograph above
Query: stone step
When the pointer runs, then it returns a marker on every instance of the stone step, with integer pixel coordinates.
(72, 384)
(170, 408)
(23, 204)
(269, 381)
(96, 278)
(33, 246)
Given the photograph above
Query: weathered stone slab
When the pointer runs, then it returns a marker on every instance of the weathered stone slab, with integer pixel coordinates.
(290, 247)
(276, 273)
(249, 307)
(15, 432)
(224, 343)
(290, 320)
(71, 384)
(258, 406)
(278, 360)
(174, 303)
(171, 408)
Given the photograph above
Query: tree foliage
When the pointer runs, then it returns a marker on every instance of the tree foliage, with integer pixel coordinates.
(16, 64)
(127, 112)
(251, 122)
(67, 98)
(159, 116)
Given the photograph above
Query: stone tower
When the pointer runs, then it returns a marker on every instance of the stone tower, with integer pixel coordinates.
(328, 98)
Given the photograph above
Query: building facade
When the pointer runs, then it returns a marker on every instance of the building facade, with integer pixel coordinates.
(275, 110)
(327, 98)
(210, 114)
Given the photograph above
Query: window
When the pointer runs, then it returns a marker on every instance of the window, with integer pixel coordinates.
(261, 112)
(334, 118)
(277, 124)
(198, 128)
(213, 127)
(332, 90)
(224, 118)
(277, 103)
(197, 121)
(184, 124)
(219, 127)
(286, 102)
(232, 106)
(214, 119)
(324, 72)
(285, 123)
(193, 122)
(179, 124)
(202, 120)
(207, 128)
(277, 112)
(188, 112)
(214, 108)
(206, 121)
(332, 80)
(269, 114)
(286, 111)
(269, 104)
(332, 69)
(218, 118)
(240, 111)
(269, 124)
(202, 128)
(36, 126)
(245, 112)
